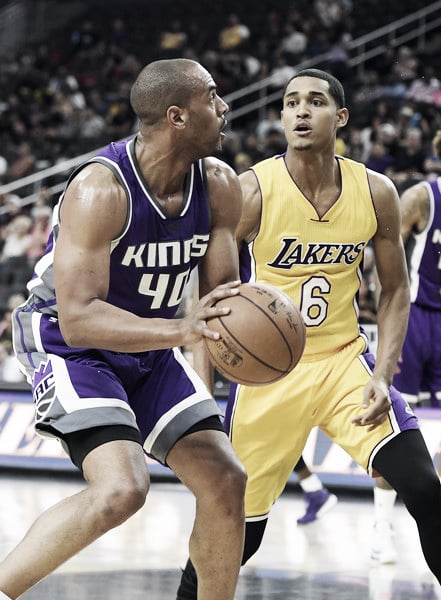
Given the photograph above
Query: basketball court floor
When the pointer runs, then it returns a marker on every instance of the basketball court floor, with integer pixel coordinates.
(140, 560)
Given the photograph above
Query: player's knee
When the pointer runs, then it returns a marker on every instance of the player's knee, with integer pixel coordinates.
(120, 500)
(229, 491)
(234, 480)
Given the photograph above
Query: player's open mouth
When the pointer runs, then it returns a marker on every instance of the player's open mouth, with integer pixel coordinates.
(302, 129)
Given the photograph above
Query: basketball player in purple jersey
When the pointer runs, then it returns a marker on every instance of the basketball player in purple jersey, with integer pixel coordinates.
(419, 374)
(99, 344)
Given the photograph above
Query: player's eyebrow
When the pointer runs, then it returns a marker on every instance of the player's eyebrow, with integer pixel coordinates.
(310, 93)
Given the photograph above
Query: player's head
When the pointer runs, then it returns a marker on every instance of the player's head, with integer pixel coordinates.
(313, 110)
(182, 93)
(164, 83)
(336, 89)
(159, 85)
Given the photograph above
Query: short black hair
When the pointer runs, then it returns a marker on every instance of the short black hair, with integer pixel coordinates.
(335, 87)
(161, 84)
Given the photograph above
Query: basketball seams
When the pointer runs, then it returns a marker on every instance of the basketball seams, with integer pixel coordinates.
(248, 351)
(276, 326)
(273, 322)
(279, 372)
(253, 350)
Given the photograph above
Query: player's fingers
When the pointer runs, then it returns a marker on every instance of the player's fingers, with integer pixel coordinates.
(210, 333)
(224, 290)
(228, 284)
(376, 422)
(372, 417)
(201, 316)
(213, 311)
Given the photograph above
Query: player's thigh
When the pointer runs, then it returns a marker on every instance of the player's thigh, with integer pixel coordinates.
(76, 394)
(269, 427)
(120, 463)
(389, 462)
(205, 462)
(348, 387)
(171, 401)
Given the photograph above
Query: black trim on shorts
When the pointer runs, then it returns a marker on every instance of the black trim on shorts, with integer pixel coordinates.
(212, 422)
(80, 443)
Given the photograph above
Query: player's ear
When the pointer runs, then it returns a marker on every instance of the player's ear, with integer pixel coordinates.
(342, 117)
(177, 116)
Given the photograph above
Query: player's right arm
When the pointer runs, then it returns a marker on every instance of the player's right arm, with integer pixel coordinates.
(415, 210)
(93, 213)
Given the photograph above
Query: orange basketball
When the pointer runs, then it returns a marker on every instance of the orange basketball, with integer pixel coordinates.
(261, 339)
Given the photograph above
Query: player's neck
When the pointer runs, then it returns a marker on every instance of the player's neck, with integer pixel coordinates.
(314, 173)
(162, 165)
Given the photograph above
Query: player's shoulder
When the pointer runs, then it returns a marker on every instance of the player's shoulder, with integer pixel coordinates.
(99, 191)
(249, 183)
(93, 176)
(269, 163)
(417, 197)
(215, 167)
(417, 190)
(221, 178)
(267, 169)
(380, 184)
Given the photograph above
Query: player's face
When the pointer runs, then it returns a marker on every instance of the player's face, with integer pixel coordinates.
(207, 111)
(310, 116)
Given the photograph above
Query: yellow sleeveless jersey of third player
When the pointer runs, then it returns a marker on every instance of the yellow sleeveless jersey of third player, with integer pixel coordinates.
(316, 261)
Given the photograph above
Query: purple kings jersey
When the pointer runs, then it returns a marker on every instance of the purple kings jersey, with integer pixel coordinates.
(155, 392)
(152, 259)
(424, 254)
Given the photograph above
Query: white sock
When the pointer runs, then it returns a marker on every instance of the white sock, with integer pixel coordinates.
(4, 596)
(311, 483)
(384, 501)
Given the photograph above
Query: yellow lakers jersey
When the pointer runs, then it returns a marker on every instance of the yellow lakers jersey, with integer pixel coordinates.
(316, 261)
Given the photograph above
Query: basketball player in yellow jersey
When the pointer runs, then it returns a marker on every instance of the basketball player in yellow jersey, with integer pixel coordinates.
(307, 218)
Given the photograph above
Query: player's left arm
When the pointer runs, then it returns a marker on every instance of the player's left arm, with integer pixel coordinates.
(393, 302)
(221, 261)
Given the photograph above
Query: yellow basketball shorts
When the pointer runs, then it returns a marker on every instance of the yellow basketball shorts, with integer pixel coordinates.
(269, 425)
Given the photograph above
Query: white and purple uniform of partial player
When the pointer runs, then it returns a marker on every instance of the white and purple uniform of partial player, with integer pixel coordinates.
(150, 263)
(419, 378)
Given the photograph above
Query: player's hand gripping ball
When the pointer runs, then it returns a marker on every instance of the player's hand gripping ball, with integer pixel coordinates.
(261, 339)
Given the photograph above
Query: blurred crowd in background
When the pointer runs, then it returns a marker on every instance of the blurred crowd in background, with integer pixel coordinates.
(69, 95)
